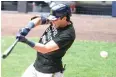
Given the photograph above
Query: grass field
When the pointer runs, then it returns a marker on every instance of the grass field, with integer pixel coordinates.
(82, 59)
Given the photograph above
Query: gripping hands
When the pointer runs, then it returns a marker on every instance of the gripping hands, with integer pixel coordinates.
(22, 33)
(21, 37)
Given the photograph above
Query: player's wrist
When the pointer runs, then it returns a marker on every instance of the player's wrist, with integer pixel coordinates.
(30, 43)
(26, 30)
(30, 25)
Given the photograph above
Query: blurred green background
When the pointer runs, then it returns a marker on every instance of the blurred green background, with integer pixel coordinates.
(82, 59)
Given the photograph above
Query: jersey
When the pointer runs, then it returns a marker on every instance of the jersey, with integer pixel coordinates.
(52, 62)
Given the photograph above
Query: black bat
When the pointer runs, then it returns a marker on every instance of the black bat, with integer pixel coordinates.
(8, 51)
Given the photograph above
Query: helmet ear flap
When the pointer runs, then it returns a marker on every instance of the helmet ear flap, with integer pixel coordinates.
(68, 11)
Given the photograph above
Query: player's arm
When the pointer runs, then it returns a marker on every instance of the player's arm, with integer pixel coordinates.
(49, 47)
(39, 20)
(35, 21)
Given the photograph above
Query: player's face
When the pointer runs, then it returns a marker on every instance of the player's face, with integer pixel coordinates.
(60, 22)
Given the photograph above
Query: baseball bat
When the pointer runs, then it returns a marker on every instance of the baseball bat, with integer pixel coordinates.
(8, 51)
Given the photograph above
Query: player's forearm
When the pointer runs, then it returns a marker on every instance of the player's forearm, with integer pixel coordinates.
(41, 48)
(36, 21)
(39, 20)
(37, 46)
(49, 47)
(33, 23)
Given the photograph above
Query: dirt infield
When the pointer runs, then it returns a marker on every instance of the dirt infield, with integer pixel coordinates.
(88, 27)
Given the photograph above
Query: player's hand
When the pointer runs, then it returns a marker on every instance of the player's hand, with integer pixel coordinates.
(24, 31)
(21, 38)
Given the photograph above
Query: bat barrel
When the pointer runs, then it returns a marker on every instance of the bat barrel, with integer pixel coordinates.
(8, 51)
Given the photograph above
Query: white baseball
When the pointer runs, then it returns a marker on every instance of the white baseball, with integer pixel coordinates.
(104, 54)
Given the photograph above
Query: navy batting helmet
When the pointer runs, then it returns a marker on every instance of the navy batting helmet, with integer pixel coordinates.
(59, 10)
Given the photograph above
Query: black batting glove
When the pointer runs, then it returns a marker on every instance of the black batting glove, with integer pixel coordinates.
(24, 40)
(21, 38)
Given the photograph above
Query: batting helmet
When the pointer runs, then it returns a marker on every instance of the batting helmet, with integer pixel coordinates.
(59, 10)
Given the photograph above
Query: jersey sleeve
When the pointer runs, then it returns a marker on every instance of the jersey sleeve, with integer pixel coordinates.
(63, 40)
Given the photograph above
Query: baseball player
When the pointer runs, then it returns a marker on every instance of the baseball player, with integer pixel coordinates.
(53, 44)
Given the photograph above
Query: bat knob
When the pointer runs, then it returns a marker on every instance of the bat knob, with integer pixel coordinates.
(3, 56)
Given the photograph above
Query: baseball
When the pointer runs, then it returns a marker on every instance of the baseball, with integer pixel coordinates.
(104, 54)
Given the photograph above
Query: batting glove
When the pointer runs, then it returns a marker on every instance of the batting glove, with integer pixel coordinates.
(24, 40)
(21, 38)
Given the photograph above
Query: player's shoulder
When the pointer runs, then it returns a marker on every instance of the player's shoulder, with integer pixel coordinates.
(69, 28)
(69, 31)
